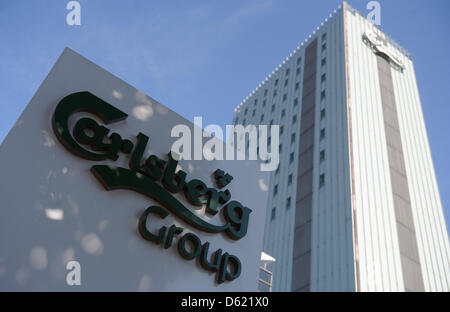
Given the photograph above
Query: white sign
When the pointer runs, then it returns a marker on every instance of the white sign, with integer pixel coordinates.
(69, 223)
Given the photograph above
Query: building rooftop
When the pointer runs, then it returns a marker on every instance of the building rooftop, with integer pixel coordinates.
(313, 35)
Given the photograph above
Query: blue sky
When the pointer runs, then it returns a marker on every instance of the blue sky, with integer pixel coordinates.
(201, 58)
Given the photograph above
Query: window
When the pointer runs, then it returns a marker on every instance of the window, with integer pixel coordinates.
(295, 101)
(299, 60)
(322, 95)
(265, 92)
(323, 62)
(287, 72)
(273, 213)
(275, 190)
(284, 97)
(264, 103)
(290, 179)
(256, 102)
(292, 138)
(281, 130)
(262, 118)
(322, 156)
(294, 119)
(321, 180)
(273, 107)
(324, 36)
(297, 85)
(322, 113)
(324, 47)
(291, 157)
(323, 78)
(286, 82)
(322, 134)
(280, 147)
(288, 203)
(274, 93)
(243, 122)
(297, 72)
(271, 122)
(253, 113)
(283, 112)
(246, 110)
(278, 170)
(269, 139)
(276, 82)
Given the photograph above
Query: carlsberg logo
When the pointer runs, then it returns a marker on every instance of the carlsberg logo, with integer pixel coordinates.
(155, 177)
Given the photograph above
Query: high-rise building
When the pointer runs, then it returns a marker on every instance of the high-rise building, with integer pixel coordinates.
(354, 204)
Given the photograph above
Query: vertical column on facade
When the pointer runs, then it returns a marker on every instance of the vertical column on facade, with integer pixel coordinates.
(301, 268)
(409, 255)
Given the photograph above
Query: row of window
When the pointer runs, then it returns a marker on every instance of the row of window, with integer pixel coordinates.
(297, 84)
(288, 206)
(283, 112)
(291, 160)
(288, 201)
(322, 112)
(286, 83)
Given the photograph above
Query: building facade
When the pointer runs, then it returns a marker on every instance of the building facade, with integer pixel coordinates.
(354, 204)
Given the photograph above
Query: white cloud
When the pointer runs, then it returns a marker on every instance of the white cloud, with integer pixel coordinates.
(249, 9)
